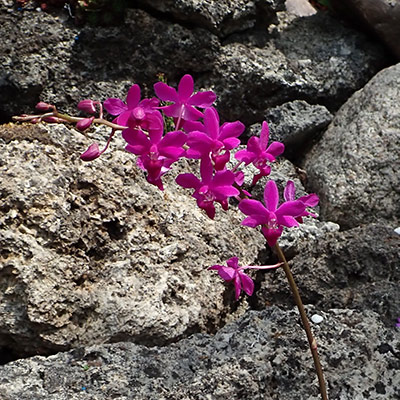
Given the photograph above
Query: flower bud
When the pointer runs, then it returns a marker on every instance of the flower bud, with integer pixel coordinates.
(91, 153)
(41, 106)
(87, 106)
(84, 123)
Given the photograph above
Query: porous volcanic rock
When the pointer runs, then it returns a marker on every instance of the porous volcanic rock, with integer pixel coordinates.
(355, 166)
(315, 59)
(356, 269)
(91, 253)
(296, 124)
(222, 17)
(262, 356)
(382, 17)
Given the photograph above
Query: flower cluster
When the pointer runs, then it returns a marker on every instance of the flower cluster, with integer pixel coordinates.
(196, 134)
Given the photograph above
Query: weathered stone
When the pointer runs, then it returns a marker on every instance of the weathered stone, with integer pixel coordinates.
(222, 17)
(263, 355)
(313, 59)
(357, 269)
(382, 17)
(301, 8)
(292, 240)
(296, 124)
(355, 166)
(44, 58)
(92, 253)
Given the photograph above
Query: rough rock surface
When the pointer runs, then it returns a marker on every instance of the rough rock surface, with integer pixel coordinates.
(379, 16)
(355, 166)
(357, 269)
(296, 124)
(266, 69)
(313, 59)
(261, 356)
(92, 253)
(222, 17)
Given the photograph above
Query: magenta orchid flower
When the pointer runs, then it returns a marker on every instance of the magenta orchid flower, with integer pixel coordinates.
(185, 102)
(398, 323)
(156, 153)
(214, 140)
(134, 109)
(259, 154)
(310, 200)
(211, 188)
(234, 273)
(271, 217)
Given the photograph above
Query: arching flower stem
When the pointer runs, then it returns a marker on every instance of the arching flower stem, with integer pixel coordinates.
(304, 319)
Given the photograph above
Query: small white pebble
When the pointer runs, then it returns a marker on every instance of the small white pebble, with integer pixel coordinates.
(397, 230)
(317, 319)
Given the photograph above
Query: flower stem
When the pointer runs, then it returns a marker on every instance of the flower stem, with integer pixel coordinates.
(311, 340)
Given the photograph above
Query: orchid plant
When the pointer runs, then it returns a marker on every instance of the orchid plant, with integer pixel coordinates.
(198, 134)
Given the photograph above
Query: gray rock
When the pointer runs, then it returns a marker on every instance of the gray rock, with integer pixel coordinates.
(221, 17)
(357, 269)
(292, 240)
(296, 124)
(261, 356)
(301, 8)
(355, 166)
(313, 59)
(46, 59)
(382, 17)
(91, 253)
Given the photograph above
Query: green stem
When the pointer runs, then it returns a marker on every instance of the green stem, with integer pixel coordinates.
(311, 340)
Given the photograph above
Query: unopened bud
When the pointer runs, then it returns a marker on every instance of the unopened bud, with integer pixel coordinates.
(84, 123)
(91, 153)
(87, 106)
(41, 106)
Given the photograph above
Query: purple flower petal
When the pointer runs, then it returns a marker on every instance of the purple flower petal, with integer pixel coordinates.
(289, 191)
(245, 156)
(165, 92)
(202, 99)
(264, 135)
(115, 106)
(276, 149)
(252, 207)
(185, 87)
(133, 97)
(293, 208)
(238, 286)
(188, 181)
(233, 262)
(271, 196)
(247, 283)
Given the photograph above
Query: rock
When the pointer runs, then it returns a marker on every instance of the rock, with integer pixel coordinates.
(313, 59)
(221, 17)
(301, 8)
(382, 17)
(354, 168)
(357, 269)
(297, 59)
(46, 59)
(294, 238)
(263, 355)
(296, 124)
(91, 253)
